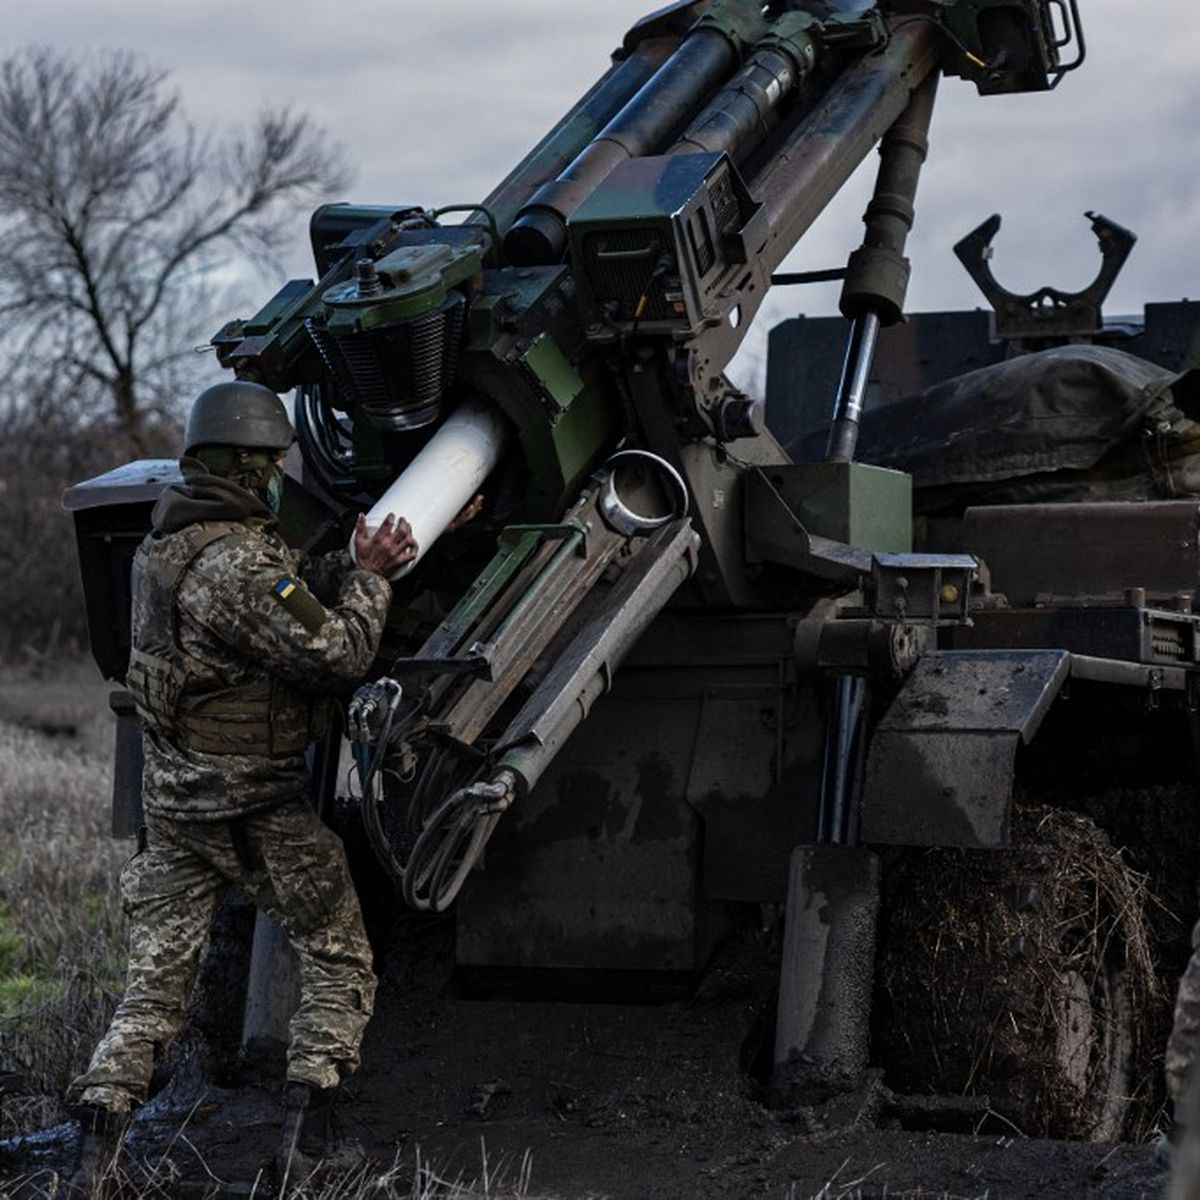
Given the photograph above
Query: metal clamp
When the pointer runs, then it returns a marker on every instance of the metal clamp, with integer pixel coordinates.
(1047, 312)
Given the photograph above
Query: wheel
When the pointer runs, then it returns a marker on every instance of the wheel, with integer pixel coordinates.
(1021, 975)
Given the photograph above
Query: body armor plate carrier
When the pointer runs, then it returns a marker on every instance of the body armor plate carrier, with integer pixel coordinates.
(181, 698)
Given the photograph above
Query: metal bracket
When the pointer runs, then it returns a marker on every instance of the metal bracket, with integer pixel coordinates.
(1047, 312)
(854, 31)
(512, 535)
(475, 663)
(932, 589)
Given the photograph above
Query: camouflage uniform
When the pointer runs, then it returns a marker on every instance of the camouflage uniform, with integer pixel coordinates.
(234, 654)
(1181, 1047)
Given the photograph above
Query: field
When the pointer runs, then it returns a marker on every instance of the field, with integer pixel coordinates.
(61, 926)
(457, 1097)
(62, 929)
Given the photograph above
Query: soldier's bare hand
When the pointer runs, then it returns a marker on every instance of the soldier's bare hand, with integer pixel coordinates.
(468, 514)
(386, 550)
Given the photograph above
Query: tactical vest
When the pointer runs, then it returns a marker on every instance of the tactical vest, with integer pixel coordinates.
(184, 700)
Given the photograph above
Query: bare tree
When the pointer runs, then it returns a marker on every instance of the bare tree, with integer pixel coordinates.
(41, 454)
(116, 215)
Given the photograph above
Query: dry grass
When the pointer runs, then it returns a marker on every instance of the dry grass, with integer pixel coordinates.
(835, 1191)
(62, 946)
(61, 926)
(844, 1187)
(1013, 952)
(415, 1179)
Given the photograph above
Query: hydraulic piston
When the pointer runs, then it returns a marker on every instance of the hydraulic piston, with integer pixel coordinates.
(877, 274)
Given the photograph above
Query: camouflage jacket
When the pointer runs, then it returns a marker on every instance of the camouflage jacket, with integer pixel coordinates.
(251, 616)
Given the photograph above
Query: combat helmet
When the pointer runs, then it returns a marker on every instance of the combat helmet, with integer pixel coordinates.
(238, 413)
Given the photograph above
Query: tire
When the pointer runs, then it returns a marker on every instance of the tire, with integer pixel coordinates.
(1021, 975)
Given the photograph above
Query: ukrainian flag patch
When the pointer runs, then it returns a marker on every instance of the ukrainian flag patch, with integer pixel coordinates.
(300, 603)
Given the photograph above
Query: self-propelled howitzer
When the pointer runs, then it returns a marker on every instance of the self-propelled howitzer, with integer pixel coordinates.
(588, 309)
(563, 350)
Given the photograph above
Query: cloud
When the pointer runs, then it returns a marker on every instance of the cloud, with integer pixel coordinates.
(435, 102)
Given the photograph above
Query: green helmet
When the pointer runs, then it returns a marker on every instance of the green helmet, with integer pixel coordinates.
(238, 413)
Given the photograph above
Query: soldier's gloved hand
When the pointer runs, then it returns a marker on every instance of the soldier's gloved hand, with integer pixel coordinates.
(386, 550)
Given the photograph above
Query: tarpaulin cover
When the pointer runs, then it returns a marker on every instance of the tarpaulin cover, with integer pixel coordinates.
(1072, 423)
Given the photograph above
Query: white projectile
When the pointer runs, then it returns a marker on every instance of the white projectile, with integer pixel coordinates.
(442, 480)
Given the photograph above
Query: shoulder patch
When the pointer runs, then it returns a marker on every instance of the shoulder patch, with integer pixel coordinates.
(300, 603)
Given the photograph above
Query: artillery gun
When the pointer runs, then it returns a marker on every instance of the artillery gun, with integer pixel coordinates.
(670, 673)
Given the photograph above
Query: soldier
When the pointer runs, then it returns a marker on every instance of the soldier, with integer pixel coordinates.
(236, 644)
(1182, 1084)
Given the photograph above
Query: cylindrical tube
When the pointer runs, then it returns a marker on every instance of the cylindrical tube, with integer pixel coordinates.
(852, 390)
(439, 483)
(574, 131)
(745, 111)
(810, 168)
(877, 273)
(539, 235)
(585, 670)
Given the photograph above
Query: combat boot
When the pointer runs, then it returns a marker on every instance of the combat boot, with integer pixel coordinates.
(100, 1135)
(312, 1141)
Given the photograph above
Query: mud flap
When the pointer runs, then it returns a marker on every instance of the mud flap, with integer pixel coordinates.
(940, 766)
(825, 978)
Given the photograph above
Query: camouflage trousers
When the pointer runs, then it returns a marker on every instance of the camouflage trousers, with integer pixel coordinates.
(294, 868)
(1181, 1046)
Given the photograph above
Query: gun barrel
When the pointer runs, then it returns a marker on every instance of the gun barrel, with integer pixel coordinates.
(705, 58)
(578, 127)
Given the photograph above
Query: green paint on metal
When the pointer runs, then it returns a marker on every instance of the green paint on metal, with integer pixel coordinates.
(285, 303)
(370, 455)
(512, 555)
(1003, 45)
(557, 376)
(739, 21)
(794, 34)
(563, 413)
(587, 426)
(408, 282)
(854, 503)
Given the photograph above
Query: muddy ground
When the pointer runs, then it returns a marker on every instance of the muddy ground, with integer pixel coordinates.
(586, 1100)
(590, 1100)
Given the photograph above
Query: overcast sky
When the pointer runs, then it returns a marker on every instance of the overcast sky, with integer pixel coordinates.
(434, 102)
